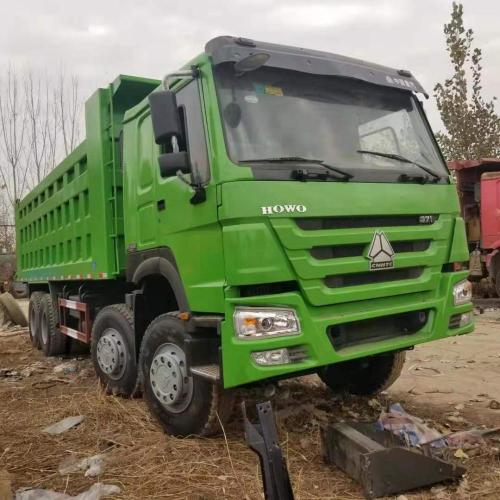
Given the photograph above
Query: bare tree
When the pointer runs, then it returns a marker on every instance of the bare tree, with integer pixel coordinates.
(7, 229)
(69, 111)
(39, 124)
(12, 136)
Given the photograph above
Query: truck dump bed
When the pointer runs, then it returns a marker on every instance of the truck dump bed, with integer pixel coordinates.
(71, 225)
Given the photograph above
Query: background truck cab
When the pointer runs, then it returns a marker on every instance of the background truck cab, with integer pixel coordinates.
(478, 184)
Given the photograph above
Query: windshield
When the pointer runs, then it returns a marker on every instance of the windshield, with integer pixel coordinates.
(273, 113)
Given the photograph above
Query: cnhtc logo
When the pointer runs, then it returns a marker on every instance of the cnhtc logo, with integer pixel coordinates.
(282, 209)
(381, 254)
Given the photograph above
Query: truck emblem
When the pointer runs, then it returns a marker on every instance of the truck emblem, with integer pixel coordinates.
(281, 209)
(381, 254)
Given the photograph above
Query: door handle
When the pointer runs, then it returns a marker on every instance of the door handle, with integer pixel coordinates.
(160, 205)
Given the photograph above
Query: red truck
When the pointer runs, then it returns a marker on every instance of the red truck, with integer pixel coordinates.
(478, 184)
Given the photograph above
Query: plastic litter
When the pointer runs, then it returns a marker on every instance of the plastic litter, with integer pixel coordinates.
(411, 429)
(93, 466)
(415, 432)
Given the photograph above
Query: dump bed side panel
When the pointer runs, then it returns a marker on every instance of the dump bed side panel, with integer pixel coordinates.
(71, 225)
(65, 226)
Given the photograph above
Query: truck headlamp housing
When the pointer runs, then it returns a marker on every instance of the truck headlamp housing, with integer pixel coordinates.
(462, 292)
(254, 323)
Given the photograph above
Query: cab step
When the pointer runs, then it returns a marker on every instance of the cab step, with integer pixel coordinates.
(209, 372)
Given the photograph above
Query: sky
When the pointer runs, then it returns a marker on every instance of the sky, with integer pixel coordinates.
(99, 39)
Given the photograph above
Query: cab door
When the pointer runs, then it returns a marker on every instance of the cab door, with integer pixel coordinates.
(143, 186)
(191, 230)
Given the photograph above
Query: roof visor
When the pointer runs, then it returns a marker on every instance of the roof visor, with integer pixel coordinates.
(231, 49)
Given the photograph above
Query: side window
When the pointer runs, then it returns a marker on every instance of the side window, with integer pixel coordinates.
(188, 100)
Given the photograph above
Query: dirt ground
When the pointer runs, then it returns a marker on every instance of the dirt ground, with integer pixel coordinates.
(450, 383)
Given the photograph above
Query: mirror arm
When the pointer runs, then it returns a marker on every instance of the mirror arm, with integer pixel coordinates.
(200, 194)
(191, 74)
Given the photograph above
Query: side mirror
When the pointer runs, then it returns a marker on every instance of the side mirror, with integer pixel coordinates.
(165, 116)
(171, 163)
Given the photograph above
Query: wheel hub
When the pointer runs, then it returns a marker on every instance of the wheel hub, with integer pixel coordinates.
(111, 354)
(169, 378)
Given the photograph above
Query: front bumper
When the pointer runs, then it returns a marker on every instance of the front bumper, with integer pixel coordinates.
(238, 368)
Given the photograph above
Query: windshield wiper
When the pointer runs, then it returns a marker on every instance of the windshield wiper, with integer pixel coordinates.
(303, 174)
(394, 156)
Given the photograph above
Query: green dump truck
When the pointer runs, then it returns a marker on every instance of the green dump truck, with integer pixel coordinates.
(264, 213)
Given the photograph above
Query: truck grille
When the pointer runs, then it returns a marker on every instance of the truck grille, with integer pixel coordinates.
(376, 329)
(373, 277)
(315, 223)
(329, 254)
(335, 252)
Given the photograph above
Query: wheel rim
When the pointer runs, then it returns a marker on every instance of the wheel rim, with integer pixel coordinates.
(111, 354)
(45, 330)
(169, 378)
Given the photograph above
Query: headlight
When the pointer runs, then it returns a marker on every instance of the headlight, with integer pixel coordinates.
(462, 292)
(252, 323)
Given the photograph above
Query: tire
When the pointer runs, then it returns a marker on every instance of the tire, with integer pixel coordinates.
(198, 404)
(497, 282)
(52, 341)
(13, 310)
(365, 376)
(34, 308)
(112, 350)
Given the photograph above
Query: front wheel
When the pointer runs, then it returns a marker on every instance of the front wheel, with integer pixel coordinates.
(365, 376)
(183, 404)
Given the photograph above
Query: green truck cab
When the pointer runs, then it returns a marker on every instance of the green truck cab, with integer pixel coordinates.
(264, 213)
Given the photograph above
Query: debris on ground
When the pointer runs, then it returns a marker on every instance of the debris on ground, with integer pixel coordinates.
(96, 491)
(459, 453)
(66, 368)
(456, 419)
(91, 466)
(64, 425)
(411, 429)
(10, 311)
(494, 404)
(414, 432)
(382, 467)
(8, 373)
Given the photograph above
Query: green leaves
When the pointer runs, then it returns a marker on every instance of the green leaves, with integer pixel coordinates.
(472, 127)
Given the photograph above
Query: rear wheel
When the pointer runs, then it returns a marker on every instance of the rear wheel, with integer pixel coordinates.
(183, 404)
(366, 376)
(34, 308)
(113, 350)
(497, 282)
(52, 341)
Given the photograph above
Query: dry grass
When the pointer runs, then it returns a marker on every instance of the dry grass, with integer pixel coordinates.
(147, 464)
